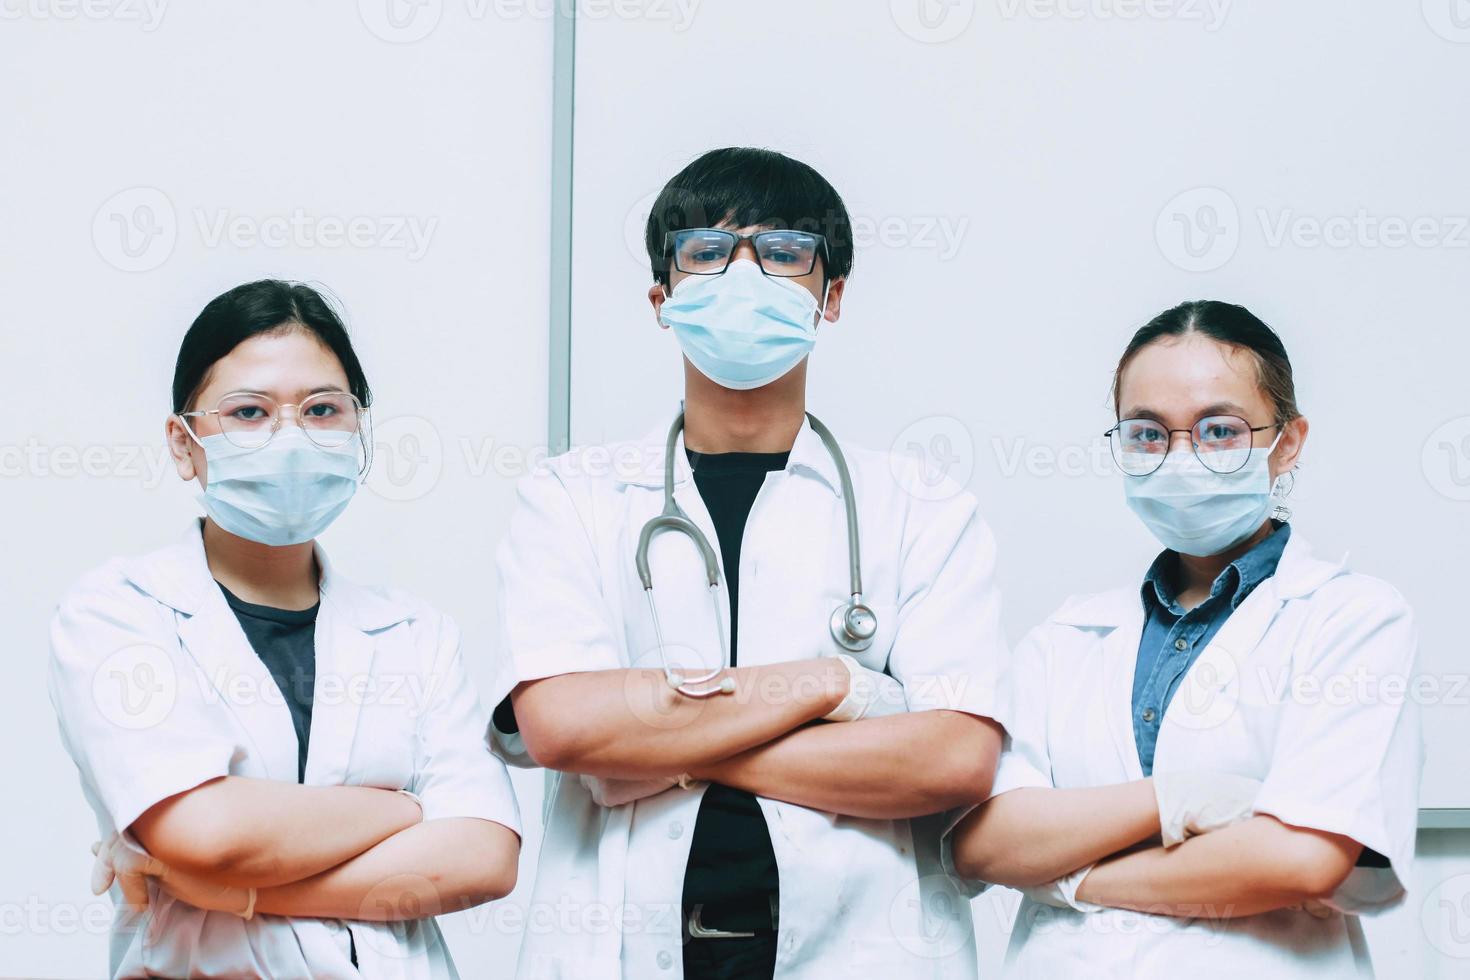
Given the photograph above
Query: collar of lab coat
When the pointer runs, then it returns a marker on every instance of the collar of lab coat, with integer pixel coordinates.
(808, 454)
(178, 576)
(1298, 574)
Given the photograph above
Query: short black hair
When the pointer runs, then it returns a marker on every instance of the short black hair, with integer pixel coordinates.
(262, 307)
(745, 187)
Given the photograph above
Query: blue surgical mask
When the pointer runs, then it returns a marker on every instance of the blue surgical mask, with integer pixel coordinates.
(285, 492)
(742, 329)
(1195, 511)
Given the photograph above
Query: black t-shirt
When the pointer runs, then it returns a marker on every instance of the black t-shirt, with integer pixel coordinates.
(731, 861)
(285, 641)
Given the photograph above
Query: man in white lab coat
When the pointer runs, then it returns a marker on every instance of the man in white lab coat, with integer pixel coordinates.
(779, 816)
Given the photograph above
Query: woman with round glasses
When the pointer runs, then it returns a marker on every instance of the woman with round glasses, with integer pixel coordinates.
(1214, 770)
(289, 770)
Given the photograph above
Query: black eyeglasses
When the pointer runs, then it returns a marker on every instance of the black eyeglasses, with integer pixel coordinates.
(709, 251)
(1223, 443)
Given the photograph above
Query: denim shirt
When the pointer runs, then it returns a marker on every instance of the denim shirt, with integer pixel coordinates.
(1173, 638)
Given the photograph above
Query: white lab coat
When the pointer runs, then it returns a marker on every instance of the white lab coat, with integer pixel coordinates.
(157, 690)
(856, 895)
(1329, 759)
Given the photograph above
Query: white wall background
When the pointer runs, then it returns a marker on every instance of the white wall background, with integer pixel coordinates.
(249, 114)
(1023, 172)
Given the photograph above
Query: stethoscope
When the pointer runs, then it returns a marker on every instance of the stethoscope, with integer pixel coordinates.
(853, 624)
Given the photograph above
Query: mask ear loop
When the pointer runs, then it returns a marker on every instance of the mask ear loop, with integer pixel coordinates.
(366, 441)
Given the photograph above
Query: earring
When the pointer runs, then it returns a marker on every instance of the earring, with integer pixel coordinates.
(1281, 512)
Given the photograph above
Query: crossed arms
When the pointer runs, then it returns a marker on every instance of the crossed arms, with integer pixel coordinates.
(764, 738)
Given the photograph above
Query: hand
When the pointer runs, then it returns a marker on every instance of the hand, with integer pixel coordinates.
(131, 867)
(616, 792)
(870, 694)
(116, 861)
(1062, 893)
(1196, 802)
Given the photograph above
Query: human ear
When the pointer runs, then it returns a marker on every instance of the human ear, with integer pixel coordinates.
(181, 447)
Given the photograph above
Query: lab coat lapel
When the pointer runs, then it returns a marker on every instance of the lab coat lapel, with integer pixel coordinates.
(1120, 659)
(344, 663)
(239, 679)
(1210, 691)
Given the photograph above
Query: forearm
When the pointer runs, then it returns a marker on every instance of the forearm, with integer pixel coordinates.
(893, 767)
(1252, 867)
(1031, 836)
(632, 724)
(262, 832)
(433, 868)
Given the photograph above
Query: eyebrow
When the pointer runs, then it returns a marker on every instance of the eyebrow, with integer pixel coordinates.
(314, 391)
(1219, 408)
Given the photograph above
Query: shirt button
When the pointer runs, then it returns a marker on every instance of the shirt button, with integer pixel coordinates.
(1148, 714)
(676, 830)
(1179, 644)
(665, 959)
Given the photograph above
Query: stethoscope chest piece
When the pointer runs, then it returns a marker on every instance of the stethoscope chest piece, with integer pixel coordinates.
(854, 625)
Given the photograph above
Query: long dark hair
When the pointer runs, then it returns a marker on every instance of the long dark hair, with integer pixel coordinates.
(1228, 324)
(255, 308)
